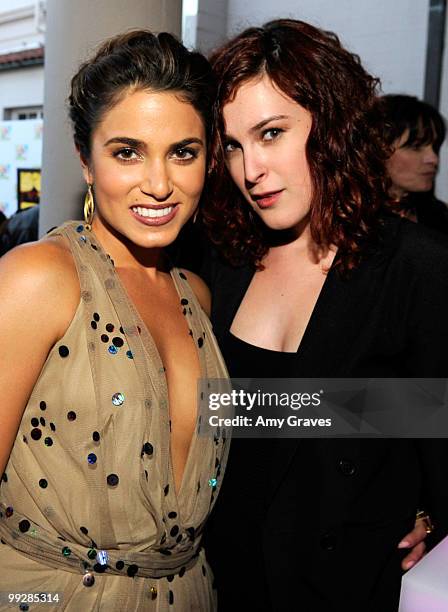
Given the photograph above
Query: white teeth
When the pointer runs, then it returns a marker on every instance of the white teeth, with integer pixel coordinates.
(152, 213)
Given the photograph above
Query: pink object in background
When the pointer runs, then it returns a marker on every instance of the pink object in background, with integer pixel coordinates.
(424, 588)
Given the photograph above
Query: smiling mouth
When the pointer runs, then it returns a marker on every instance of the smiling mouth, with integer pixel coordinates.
(152, 213)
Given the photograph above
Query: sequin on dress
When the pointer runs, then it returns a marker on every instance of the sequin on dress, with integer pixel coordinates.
(88, 504)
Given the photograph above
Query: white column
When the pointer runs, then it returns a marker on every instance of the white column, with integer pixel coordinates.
(73, 30)
(211, 24)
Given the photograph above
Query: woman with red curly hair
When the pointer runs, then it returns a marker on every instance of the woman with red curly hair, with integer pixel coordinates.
(316, 279)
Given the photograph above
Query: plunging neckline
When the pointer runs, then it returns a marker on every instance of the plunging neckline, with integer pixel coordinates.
(304, 341)
(153, 353)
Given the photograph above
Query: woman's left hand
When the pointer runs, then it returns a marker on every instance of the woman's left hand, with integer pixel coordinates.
(415, 541)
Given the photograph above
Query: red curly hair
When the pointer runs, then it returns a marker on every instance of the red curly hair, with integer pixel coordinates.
(344, 149)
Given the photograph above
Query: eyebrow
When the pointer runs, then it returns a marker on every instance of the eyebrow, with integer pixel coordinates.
(261, 124)
(258, 126)
(139, 144)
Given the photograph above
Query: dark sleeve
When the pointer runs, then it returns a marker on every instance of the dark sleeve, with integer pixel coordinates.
(427, 344)
(5, 241)
(23, 226)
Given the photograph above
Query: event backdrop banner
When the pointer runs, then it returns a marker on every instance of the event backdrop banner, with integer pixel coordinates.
(20, 148)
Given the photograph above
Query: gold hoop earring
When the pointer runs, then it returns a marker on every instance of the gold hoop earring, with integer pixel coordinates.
(89, 207)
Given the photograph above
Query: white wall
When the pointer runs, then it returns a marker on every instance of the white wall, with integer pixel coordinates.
(189, 22)
(390, 37)
(211, 24)
(10, 5)
(21, 87)
(19, 30)
(18, 25)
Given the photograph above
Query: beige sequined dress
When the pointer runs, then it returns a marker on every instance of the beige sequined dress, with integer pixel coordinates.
(88, 504)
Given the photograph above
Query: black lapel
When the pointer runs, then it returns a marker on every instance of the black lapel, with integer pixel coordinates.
(332, 342)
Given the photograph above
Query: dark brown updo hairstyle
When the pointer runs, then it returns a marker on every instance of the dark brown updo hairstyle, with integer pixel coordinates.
(139, 60)
(344, 150)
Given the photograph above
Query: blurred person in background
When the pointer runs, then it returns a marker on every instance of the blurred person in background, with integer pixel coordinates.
(20, 228)
(415, 131)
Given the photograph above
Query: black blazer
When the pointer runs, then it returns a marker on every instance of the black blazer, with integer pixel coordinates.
(313, 525)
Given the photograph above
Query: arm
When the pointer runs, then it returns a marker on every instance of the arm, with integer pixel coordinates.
(37, 291)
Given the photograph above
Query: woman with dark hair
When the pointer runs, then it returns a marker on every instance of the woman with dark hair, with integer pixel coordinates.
(414, 133)
(315, 279)
(106, 485)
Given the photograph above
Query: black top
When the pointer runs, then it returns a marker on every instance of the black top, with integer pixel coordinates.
(314, 524)
(248, 361)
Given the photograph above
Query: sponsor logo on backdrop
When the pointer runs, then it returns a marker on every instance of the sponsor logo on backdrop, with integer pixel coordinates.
(5, 170)
(22, 152)
(5, 132)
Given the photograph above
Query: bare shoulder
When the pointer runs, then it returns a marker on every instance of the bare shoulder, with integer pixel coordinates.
(40, 277)
(200, 289)
(39, 294)
(39, 264)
